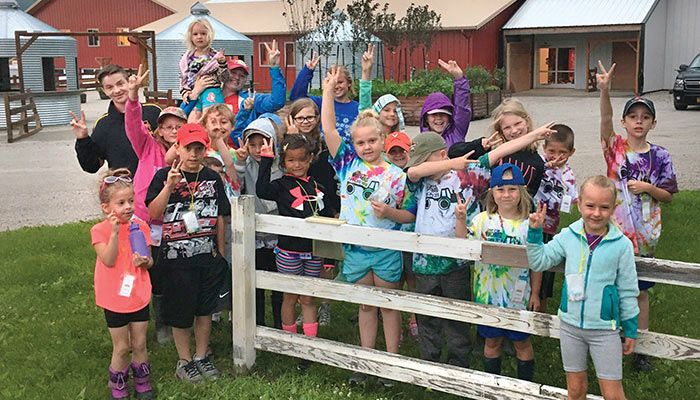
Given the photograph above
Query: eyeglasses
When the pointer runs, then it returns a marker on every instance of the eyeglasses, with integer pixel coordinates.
(113, 179)
(310, 118)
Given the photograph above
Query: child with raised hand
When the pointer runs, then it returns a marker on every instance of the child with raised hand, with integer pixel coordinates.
(644, 177)
(297, 195)
(192, 202)
(199, 60)
(345, 109)
(371, 190)
(600, 289)
(507, 206)
(388, 107)
(248, 160)
(444, 187)
(218, 122)
(557, 190)
(443, 116)
(122, 284)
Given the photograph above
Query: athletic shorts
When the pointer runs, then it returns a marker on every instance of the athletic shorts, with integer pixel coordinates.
(490, 332)
(192, 292)
(359, 260)
(604, 346)
(298, 263)
(117, 320)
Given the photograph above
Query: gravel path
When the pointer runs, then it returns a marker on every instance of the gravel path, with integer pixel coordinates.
(44, 185)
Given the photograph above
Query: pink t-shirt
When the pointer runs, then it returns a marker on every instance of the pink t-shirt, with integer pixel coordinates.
(108, 280)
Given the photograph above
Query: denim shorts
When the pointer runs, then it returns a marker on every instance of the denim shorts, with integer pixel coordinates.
(359, 260)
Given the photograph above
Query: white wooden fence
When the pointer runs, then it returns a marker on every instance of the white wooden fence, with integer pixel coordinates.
(247, 337)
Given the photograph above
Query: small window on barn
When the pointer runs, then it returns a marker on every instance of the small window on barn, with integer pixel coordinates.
(123, 41)
(5, 74)
(289, 54)
(264, 61)
(54, 72)
(93, 41)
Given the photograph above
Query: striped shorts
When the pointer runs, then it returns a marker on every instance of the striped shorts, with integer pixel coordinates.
(298, 263)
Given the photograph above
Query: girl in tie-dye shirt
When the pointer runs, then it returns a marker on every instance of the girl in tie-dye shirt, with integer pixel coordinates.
(371, 191)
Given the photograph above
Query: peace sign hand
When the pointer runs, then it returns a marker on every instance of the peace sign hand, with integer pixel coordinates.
(557, 161)
(311, 64)
(461, 208)
(544, 131)
(291, 127)
(273, 54)
(368, 62)
(460, 163)
(249, 102)
(136, 81)
(452, 67)
(174, 175)
(537, 218)
(491, 142)
(331, 80)
(266, 148)
(242, 151)
(605, 76)
(79, 125)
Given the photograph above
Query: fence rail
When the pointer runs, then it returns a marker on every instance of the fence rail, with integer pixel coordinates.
(247, 337)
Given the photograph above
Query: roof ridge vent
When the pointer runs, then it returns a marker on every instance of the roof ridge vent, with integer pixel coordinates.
(199, 9)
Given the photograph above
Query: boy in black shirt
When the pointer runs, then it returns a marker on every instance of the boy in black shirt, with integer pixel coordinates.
(192, 202)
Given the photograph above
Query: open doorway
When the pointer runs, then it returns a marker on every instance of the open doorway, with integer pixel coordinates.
(556, 66)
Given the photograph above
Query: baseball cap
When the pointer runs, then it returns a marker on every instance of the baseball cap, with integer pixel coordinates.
(397, 139)
(639, 100)
(439, 110)
(423, 146)
(174, 111)
(236, 64)
(497, 178)
(192, 133)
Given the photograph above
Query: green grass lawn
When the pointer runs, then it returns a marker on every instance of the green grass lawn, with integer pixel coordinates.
(55, 343)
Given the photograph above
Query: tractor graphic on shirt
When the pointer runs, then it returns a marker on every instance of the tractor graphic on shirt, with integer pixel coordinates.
(366, 190)
(444, 200)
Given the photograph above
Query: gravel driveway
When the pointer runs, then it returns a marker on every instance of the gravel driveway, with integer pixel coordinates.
(44, 185)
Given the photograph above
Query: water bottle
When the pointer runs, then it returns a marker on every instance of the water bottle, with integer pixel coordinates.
(138, 241)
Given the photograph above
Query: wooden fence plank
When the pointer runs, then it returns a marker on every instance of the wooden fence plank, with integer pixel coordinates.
(650, 343)
(19, 109)
(441, 377)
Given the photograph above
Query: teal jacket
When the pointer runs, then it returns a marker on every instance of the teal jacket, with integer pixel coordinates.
(610, 276)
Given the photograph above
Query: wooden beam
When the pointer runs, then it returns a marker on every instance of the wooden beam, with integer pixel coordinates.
(441, 377)
(654, 344)
(29, 42)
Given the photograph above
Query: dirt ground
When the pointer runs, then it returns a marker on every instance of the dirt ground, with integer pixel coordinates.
(43, 184)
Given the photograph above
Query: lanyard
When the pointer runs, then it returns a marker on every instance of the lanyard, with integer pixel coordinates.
(314, 210)
(189, 189)
(583, 249)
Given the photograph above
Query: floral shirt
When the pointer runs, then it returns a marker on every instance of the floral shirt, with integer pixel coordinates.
(556, 183)
(500, 285)
(639, 216)
(361, 182)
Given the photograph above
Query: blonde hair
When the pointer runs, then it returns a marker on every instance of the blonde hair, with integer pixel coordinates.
(524, 204)
(367, 118)
(602, 182)
(348, 77)
(219, 108)
(511, 106)
(205, 23)
(106, 189)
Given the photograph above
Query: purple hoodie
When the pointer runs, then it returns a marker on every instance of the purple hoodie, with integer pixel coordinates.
(461, 111)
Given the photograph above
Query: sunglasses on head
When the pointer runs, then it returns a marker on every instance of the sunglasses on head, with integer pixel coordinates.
(113, 179)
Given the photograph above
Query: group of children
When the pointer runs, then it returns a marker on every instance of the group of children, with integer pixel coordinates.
(334, 157)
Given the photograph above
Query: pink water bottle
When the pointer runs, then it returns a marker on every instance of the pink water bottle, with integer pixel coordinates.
(138, 241)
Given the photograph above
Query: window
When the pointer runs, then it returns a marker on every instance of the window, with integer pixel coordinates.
(123, 41)
(54, 72)
(262, 51)
(557, 65)
(289, 54)
(93, 41)
(4, 74)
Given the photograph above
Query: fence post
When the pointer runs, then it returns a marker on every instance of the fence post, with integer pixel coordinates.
(243, 286)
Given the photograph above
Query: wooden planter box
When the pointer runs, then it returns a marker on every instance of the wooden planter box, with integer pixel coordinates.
(480, 106)
(494, 100)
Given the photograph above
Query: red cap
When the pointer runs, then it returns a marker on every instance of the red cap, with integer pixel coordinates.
(192, 133)
(395, 139)
(236, 64)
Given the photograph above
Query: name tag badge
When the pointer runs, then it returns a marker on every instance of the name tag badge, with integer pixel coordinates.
(127, 285)
(565, 205)
(191, 222)
(304, 256)
(575, 287)
(646, 207)
(518, 295)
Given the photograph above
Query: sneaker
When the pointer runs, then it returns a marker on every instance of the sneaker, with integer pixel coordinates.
(387, 383)
(357, 378)
(642, 363)
(188, 371)
(216, 317)
(324, 314)
(303, 365)
(206, 368)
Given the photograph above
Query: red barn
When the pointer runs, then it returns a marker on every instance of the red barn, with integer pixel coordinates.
(101, 16)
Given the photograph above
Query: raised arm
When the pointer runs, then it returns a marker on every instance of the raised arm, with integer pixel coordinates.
(330, 132)
(301, 84)
(462, 106)
(135, 129)
(366, 81)
(606, 111)
(263, 187)
(431, 168)
(277, 97)
(90, 156)
(520, 143)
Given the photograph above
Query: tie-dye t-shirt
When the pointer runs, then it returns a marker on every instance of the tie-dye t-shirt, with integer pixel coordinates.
(361, 182)
(655, 167)
(556, 183)
(497, 284)
(435, 210)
